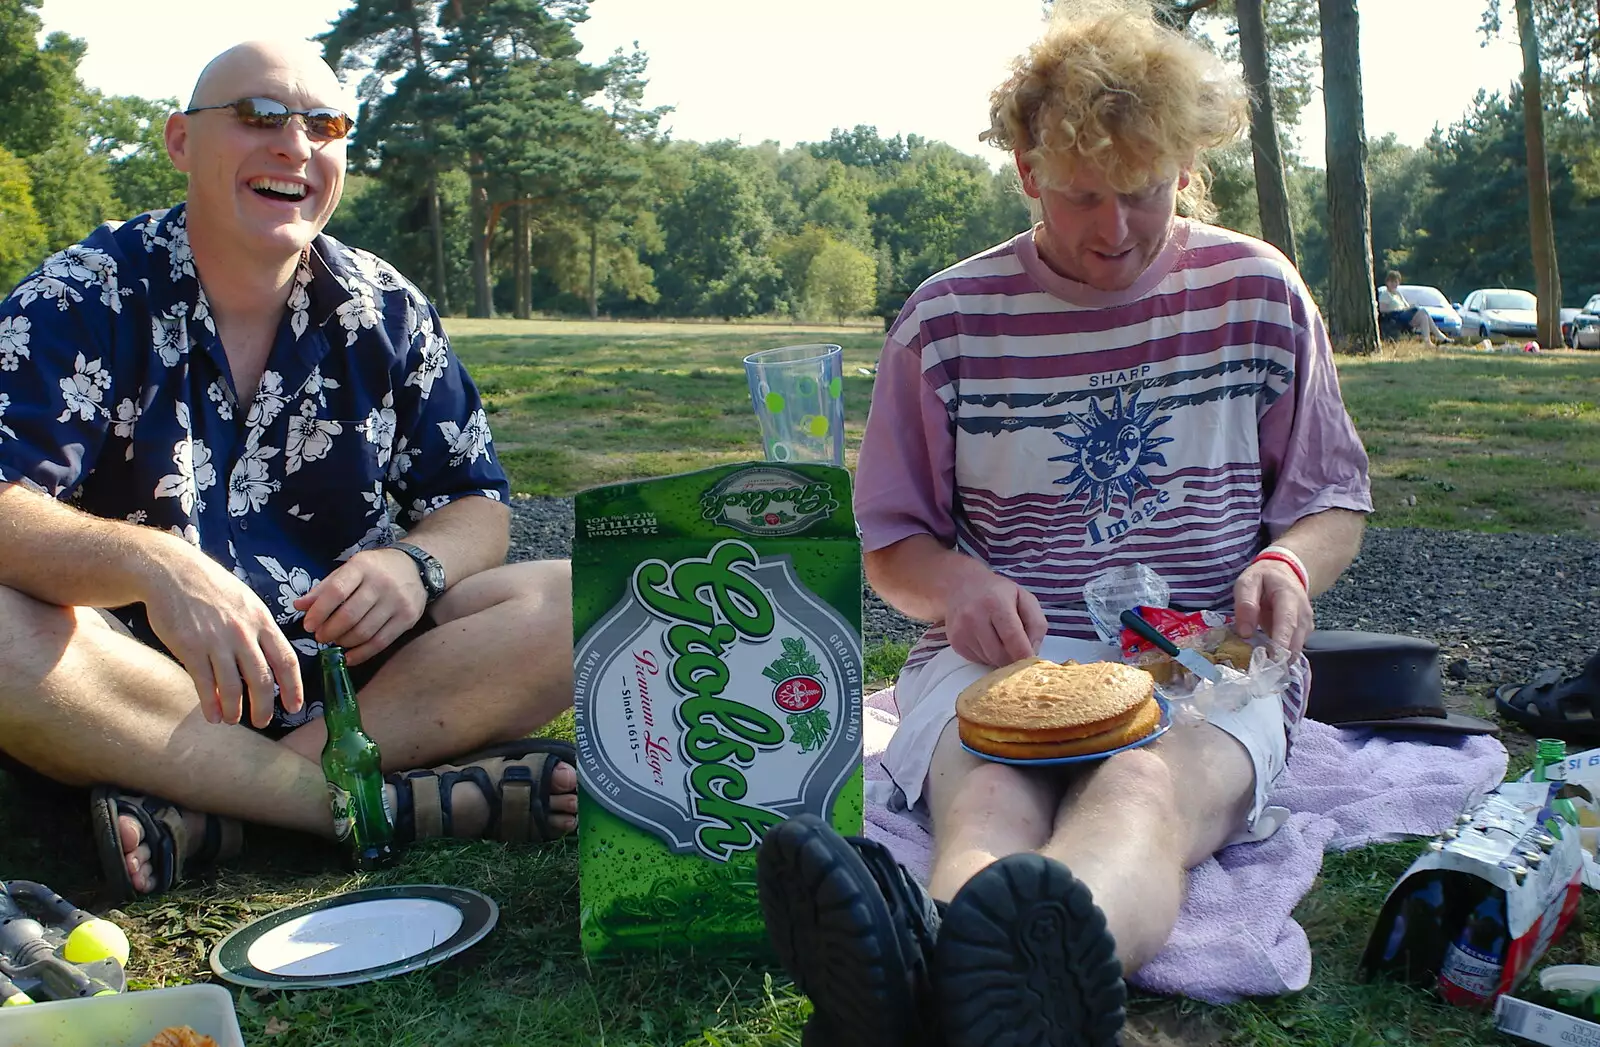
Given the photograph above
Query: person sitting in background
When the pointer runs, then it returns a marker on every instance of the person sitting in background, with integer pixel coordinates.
(1116, 385)
(1394, 311)
(203, 414)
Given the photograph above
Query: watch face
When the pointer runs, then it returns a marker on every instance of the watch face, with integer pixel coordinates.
(435, 578)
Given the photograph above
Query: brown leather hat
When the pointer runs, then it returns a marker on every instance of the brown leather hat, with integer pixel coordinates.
(1381, 680)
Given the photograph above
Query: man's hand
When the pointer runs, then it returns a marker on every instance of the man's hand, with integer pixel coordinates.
(366, 604)
(226, 638)
(994, 621)
(1268, 595)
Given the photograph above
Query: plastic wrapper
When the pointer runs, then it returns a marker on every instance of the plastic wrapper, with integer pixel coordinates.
(1250, 669)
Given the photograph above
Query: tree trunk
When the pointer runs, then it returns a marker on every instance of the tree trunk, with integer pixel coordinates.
(482, 301)
(1546, 273)
(522, 229)
(1272, 192)
(441, 286)
(594, 269)
(1352, 297)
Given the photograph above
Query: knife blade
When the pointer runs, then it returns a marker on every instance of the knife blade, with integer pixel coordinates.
(1189, 658)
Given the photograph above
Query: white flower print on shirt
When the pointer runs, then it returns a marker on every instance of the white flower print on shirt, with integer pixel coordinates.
(127, 418)
(49, 288)
(88, 268)
(315, 384)
(310, 438)
(470, 443)
(358, 311)
(268, 402)
(138, 516)
(169, 335)
(248, 486)
(5, 430)
(433, 359)
(293, 583)
(400, 464)
(378, 536)
(217, 393)
(84, 389)
(14, 341)
(188, 532)
(300, 300)
(380, 428)
(195, 474)
(374, 497)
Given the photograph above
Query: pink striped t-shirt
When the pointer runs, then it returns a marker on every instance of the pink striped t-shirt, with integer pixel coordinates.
(1053, 430)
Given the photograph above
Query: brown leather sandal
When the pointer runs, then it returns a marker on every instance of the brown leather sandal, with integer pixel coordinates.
(164, 833)
(515, 780)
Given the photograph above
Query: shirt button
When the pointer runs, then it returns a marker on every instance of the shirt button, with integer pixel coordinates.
(244, 525)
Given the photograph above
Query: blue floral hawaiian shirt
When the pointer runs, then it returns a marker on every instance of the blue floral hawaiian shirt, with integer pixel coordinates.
(116, 396)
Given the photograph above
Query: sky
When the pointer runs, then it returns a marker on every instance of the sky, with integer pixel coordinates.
(754, 70)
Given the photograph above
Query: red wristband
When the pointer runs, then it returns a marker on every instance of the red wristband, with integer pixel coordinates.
(1284, 556)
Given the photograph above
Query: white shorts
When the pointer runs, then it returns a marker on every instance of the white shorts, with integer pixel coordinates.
(926, 697)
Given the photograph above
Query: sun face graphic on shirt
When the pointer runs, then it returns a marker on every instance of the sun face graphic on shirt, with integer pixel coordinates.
(1110, 450)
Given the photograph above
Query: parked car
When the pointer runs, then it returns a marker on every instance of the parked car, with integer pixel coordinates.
(1499, 312)
(1567, 317)
(1586, 326)
(1433, 302)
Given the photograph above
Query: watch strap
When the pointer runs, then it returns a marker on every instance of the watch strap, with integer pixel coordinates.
(426, 563)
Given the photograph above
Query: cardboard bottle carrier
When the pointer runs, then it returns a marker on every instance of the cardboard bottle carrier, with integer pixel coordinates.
(717, 679)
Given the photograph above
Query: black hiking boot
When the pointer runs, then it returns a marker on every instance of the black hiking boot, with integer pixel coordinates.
(1025, 960)
(856, 933)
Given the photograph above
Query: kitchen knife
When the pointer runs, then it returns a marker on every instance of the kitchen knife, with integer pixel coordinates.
(1189, 658)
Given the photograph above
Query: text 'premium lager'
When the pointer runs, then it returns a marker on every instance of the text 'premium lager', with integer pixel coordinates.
(354, 770)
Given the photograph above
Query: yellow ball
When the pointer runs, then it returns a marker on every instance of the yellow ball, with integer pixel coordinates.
(95, 940)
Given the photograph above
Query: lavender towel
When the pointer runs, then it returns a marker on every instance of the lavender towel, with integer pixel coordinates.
(1235, 935)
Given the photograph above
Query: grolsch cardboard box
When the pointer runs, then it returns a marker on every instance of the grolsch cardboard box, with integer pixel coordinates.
(1482, 904)
(717, 688)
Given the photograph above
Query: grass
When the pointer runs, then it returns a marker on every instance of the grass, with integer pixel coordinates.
(1483, 442)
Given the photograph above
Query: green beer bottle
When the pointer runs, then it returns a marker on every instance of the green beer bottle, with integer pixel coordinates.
(1550, 765)
(354, 771)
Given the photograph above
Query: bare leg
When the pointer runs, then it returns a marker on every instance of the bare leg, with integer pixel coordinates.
(982, 811)
(1131, 829)
(1128, 829)
(83, 703)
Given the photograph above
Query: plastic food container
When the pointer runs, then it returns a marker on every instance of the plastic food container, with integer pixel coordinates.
(129, 1019)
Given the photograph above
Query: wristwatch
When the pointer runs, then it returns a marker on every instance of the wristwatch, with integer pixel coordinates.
(428, 566)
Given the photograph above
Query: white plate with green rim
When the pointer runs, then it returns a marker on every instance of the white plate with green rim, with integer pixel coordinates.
(358, 936)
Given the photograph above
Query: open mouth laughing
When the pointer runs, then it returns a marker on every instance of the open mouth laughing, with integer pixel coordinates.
(279, 189)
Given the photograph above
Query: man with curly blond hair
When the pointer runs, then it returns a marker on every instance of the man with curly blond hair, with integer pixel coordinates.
(1119, 384)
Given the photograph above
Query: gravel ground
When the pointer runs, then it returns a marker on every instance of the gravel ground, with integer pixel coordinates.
(1502, 606)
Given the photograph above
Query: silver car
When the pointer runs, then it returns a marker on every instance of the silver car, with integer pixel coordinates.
(1499, 312)
(1586, 326)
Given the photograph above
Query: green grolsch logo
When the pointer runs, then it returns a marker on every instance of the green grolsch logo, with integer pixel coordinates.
(768, 501)
(673, 688)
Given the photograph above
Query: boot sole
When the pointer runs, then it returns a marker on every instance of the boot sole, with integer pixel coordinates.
(1025, 960)
(834, 935)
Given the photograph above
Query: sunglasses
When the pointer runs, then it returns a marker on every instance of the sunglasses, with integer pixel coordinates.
(268, 114)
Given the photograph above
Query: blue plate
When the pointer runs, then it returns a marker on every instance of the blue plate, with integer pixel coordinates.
(1059, 761)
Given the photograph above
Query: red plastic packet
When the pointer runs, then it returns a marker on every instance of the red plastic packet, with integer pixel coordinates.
(1184, 628)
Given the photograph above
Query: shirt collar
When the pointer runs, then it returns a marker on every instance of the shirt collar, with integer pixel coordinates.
(325, 273)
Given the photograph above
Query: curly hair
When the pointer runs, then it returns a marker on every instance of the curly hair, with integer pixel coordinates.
(1111, 88)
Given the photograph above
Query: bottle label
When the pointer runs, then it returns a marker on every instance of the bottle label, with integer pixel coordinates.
(339, 803)
(1471, 971)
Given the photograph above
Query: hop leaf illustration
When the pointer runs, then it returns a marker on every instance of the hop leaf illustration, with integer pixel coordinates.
(796, 660)
(810, 730)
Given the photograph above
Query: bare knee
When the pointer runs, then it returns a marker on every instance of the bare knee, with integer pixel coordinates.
(993, 795)
(32, 633)
(1139, 779)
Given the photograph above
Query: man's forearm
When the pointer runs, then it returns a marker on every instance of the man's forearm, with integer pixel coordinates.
(919, 575)
(467, 536)
(1325, 543)
(60, 555)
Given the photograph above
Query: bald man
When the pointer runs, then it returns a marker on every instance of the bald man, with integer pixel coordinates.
(205, 414)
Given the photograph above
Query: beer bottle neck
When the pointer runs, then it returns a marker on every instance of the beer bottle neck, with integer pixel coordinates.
(338, 693)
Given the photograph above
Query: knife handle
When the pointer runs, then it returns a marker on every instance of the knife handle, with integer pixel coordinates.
(1135, 621)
